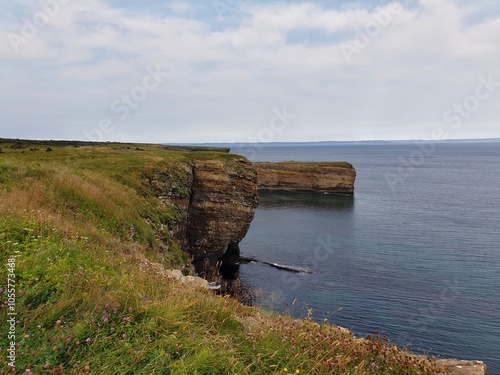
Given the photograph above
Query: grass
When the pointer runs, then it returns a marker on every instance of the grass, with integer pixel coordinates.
(86, 228)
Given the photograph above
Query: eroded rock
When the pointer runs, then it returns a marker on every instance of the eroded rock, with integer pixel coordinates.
(458, 367)
(222, 206)
(215, 202)
(324, 177)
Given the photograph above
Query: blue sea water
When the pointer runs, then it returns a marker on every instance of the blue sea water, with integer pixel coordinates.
(415, 254)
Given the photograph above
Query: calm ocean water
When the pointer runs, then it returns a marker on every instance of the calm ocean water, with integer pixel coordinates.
(415, 255)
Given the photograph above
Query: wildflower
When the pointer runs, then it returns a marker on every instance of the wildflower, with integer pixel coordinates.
(297, 371)
(87, 368)
(285, 370)
(88, 340)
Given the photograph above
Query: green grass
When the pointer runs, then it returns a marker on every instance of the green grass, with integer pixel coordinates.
(86, 228)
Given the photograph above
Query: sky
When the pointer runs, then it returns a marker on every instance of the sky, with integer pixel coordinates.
(249, 70)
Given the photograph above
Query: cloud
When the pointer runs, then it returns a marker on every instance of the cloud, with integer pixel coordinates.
(225, 77)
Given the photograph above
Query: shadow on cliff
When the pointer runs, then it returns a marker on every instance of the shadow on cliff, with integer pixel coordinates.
(318, 201)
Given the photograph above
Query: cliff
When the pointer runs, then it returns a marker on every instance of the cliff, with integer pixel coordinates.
(325, 177)
(222, 206)
(215, 200)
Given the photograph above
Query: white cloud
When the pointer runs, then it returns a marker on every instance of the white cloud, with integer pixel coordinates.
(225, 79)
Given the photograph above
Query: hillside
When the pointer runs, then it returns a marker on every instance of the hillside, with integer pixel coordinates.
(86, 244)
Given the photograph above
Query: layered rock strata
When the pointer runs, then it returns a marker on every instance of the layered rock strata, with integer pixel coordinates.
(222, 206)
(214, 201)
(324, 177)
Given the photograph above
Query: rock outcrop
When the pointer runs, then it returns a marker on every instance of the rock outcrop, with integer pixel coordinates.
(458, 367)
(223, 202)
(214, 200)
(324, 177)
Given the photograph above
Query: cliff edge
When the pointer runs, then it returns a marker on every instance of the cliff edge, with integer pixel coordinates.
(324, 177)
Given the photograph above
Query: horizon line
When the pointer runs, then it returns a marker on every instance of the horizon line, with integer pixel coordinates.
(357, 141)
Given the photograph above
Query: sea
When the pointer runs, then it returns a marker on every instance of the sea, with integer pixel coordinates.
(414, 255)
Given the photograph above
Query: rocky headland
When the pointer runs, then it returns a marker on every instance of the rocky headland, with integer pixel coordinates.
(215, 200)
(322, 177)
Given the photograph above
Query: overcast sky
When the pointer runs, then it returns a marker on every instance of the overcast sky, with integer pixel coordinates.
(249, 70)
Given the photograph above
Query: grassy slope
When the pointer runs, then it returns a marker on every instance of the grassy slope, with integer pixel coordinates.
(89, 302)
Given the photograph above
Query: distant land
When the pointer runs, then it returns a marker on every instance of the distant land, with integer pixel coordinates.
(337, 143)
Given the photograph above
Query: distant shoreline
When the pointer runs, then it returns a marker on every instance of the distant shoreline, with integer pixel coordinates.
(340, 143)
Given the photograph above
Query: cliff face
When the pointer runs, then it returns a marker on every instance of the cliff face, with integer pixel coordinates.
(222, 206)
(215, 201)
(325, 177)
